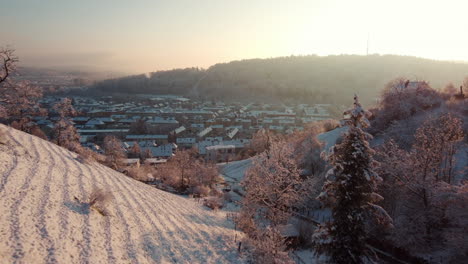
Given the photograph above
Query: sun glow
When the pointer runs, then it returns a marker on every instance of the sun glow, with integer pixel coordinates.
(152, 35)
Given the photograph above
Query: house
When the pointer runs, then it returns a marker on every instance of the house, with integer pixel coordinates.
(102, 132)
(186, 142)
(204, 132)
(232, 133)
(159, 139)
(163, 151)
(94, 123)
(220, 153)
(155, 161)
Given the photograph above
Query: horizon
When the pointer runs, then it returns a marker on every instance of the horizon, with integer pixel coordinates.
(148, 36)
(117, 74)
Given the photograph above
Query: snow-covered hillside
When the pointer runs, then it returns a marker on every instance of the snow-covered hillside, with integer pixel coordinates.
(42, 222)
(234, 171)
(331, 137)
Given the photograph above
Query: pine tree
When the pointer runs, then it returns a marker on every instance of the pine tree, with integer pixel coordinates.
(349, 189)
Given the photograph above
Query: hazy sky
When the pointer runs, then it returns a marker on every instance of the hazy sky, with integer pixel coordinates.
(149, 35)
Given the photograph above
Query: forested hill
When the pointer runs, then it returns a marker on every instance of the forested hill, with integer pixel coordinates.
(311, 78)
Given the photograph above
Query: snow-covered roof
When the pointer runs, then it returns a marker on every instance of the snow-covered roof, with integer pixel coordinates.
(94, 122)
(179, 130)
(219, 147)
(186, 140)
(161, 120)
(102, 131)
(232, 133)
(204, 132)
(145, 137)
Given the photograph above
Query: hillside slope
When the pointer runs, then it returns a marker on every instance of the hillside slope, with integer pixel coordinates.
(41, 221)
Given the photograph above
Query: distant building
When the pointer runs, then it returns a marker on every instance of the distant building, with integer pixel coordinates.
(159, 139)
(220, 153)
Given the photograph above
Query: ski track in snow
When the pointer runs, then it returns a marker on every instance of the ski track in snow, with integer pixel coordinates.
(84, 250)
(43, 201)
(44, 224)
(63, 214)
(13, 166)
(15, 236)
(131, 251)
(172, 224)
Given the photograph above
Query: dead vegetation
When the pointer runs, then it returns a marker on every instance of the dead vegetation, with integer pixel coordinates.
(99, 199)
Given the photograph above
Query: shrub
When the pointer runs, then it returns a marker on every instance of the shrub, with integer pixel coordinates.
(36, 131)
(187, 174)
(115, 153)
(401, 99)
(269, 246)
(214, 203)
(201, 190)
(98, 200)
(141, 173)
(85, 155)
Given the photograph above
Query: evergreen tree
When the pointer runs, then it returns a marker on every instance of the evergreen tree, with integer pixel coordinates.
(349, 190)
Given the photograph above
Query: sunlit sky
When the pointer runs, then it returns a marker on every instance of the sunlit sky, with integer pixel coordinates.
(147, 35)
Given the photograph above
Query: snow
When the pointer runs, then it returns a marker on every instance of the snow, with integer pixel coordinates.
(330, 137)
(235, 170)
(307, 257)
(42, 222)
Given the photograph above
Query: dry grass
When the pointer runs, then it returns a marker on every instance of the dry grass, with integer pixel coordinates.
(99, 199)
(3, 139)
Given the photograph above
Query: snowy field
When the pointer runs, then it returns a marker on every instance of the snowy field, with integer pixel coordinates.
(42, 222)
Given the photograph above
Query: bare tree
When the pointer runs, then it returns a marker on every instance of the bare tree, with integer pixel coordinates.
(65, 133)
(114, 152)
(8, 62)
(272, 185)
(20, 99)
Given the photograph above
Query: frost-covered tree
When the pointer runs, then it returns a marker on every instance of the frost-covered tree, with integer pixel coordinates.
(19, 99)
(135, 151)
(272, 185)
(65, 133)
(262, 140)
(114, 152)
(8, 62)
(450, 89)
(270, 247)
(401, 99)
(350, 191)
(435, 146)
(183, 164)
(65, 108)
(429, 164)
(392, 166)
